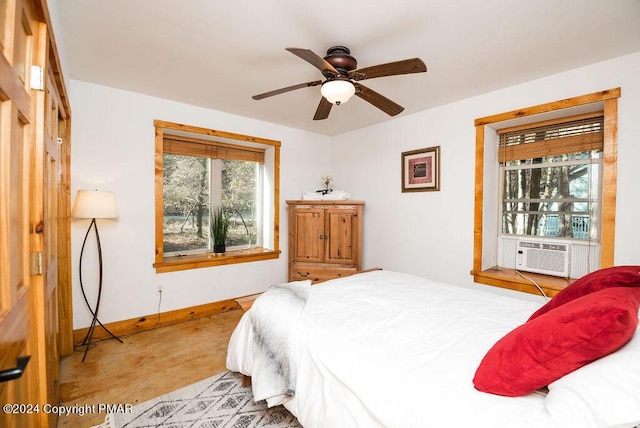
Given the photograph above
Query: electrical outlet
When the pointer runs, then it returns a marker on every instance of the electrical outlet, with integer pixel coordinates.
(159, 288)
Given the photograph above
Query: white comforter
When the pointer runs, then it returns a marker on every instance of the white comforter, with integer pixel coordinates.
(395, 350)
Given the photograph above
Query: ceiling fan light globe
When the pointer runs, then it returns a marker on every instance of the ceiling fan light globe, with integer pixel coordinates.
(337, 91)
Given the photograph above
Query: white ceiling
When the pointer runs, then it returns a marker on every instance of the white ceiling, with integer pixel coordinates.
(218, 54)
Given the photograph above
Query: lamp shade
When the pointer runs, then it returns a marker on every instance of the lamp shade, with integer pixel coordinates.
(337, 91)
(95, 204)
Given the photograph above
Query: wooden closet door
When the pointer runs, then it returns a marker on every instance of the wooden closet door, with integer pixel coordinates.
(17, 30)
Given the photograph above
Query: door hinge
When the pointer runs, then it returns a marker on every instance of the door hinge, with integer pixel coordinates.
(36, 263)
(37, 78)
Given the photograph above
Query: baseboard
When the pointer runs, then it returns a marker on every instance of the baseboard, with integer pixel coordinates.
(149, 322)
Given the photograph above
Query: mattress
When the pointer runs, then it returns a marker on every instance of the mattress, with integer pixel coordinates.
(388, 349)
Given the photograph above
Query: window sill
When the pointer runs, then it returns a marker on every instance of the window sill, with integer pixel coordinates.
(509, 278)
(196, 261)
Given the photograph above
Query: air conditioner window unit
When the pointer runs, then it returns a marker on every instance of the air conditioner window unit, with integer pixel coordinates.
(546, 257)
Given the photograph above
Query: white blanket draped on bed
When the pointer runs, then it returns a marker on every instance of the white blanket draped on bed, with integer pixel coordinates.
(274, 316)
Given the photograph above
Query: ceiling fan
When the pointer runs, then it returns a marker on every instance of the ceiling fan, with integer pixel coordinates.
(343, 79)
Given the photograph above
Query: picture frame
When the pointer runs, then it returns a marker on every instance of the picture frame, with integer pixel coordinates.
(421, 170)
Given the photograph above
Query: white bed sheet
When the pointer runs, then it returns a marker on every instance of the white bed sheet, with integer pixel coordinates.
(395, 350)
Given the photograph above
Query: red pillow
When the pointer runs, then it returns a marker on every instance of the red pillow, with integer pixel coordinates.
(546, 348)
(617, 276)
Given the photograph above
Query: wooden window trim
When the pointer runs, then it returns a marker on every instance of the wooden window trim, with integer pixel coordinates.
(508, 278)
(176, 263)
(195, 261)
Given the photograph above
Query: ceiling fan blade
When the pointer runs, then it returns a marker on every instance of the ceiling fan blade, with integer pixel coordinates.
(315, 60)
(380, 101)
(407, 66)
(322, 112)
(287, 89)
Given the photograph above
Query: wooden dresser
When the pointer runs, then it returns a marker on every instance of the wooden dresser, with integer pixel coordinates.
(325, 239)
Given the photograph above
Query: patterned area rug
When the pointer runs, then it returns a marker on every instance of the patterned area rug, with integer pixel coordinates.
(217, 402)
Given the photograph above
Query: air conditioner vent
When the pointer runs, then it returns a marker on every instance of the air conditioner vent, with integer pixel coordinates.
(546, 257)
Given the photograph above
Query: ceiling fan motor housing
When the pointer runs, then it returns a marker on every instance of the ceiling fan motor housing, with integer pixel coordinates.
(339, 57)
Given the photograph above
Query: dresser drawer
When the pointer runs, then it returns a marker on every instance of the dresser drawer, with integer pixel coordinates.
(318, 274)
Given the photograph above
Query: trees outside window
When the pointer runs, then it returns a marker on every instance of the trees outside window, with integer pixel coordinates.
(542, 199)
(186, 198)
(189, 187)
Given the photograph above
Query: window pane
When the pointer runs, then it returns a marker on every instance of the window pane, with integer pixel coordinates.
(189, 185)
(186, 203)
(240, 190)
(557, 201)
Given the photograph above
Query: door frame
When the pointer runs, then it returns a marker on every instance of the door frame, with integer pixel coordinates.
(56, 77)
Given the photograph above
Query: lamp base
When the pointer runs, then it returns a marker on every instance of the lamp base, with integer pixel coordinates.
(88, 338)
(87, 341)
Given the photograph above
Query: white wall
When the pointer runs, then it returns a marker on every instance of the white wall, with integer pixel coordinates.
(431, 233)
(113, 146)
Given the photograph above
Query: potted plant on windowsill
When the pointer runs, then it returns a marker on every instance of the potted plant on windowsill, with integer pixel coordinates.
(219, 226)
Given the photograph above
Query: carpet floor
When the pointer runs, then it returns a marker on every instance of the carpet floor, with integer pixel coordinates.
(217, 402)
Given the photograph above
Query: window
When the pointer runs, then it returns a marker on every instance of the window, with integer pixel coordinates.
(552, 175)
(194, 185)
(550, 178)
(199, 170)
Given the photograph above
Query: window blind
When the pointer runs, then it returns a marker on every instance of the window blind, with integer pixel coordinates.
(553, 137)
(178, 145)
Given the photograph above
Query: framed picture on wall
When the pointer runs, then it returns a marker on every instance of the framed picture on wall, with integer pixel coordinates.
(421, 170)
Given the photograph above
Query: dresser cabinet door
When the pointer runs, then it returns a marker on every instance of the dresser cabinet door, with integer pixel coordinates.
(307, 234)
(341, 236)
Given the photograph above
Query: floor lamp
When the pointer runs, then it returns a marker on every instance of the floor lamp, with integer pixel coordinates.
(94, 204)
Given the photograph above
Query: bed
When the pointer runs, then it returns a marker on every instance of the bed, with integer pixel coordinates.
(388, 349)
